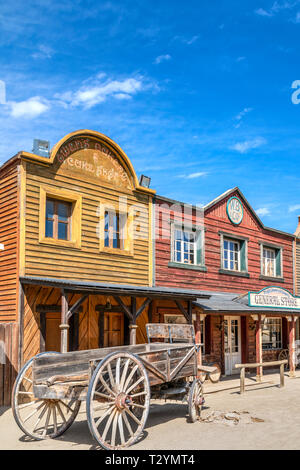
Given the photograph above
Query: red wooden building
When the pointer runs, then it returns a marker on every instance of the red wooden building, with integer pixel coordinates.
(224, 250)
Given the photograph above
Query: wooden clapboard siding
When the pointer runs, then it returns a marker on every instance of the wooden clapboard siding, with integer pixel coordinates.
(297, 266)
(9, 333)
(88, 334)
(86, 263)
(9, 223)
(215, 221)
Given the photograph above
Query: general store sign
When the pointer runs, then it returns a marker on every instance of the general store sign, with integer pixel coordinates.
(274, 297)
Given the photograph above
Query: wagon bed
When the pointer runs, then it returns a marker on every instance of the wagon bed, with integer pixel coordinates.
(117, 382)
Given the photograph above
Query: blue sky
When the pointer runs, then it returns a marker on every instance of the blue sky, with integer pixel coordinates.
(197, 93)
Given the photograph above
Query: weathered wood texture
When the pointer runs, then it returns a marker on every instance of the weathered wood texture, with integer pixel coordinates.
(88, 328)
(297, 266)
(9, 337)
(215, 220)
(87, 263)
(9, 237)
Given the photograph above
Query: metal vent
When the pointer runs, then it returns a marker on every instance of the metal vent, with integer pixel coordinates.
(41, 147)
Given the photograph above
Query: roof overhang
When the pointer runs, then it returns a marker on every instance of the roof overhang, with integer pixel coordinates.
(115, 289)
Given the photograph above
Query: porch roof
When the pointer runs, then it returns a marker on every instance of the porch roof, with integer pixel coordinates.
(228, 302)
(116, 289)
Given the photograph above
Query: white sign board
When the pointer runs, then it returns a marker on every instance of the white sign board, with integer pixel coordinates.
(274, 297)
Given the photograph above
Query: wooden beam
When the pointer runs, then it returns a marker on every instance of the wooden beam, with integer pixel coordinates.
(183, 311)
(124, 307)
(142, 307)
(133, 325)
(64, 326)
(258, 341)
(76, 306)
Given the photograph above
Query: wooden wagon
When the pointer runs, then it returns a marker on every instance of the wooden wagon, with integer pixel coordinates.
(116, 383)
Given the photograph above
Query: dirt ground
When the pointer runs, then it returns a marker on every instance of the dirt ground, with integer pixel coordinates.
(265, 417)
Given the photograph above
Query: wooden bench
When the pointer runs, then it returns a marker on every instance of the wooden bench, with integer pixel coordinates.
(262, 365)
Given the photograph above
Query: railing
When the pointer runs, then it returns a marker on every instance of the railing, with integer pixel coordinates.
(262, 365)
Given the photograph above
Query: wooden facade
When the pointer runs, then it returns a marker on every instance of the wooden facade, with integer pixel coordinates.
(207, 273)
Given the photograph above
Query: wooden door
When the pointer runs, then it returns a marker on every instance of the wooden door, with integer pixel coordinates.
(113, 329)
(232, 344)
(52, 331)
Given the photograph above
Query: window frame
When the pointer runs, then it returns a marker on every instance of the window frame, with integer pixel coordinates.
(55, 220)
(278, 252)
(127, 231)
(199, 244)
(243, 244)
(237, 242)
(75, 217)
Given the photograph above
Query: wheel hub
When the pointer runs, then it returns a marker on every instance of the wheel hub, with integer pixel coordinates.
(123, 401)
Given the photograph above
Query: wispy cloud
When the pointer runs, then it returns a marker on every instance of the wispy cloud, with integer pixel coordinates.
(244, 147)
(277, 7)
(43, 52)
(100, 90)
(198, 174)
(29, 109)
(162, 58)
(239, 117)
(263, 211)
(294, 208)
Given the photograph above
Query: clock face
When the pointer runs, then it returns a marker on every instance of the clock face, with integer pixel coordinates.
(235, 210)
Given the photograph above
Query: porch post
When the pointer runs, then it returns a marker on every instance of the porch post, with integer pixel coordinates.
(258, 341)
(133, 325)
(291, 329)
(197, 326)
(64, 326)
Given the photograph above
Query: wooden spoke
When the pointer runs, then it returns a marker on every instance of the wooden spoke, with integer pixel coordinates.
(111, 378)
(135, 384)
(33, 413)
(114, 429)
(40, 418)
(119, 422)
(132, 416)
(124, 373)
(130, 376)
(121, 429)
(127, 424)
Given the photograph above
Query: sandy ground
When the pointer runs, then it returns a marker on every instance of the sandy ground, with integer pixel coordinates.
(277, 410)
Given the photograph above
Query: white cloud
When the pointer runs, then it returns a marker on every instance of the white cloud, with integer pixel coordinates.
(44, 52)
(243, 147)
(277, 7)
(98, 92)
(30, 108)
(245, 111)
(199, 174)
(162, 58)
(262, 211)
(294, 208)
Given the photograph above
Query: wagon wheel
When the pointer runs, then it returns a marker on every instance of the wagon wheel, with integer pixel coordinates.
(118, 401)
(40, 418)
(195, 400)
(284, 354)
(214, 377)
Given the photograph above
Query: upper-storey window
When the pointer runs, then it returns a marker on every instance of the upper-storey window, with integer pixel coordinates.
(268, 262)
(114, 230)
(58, 219)
(234, 258)
(187, 246)
(231, 255)
(184, 246)
(271, 261)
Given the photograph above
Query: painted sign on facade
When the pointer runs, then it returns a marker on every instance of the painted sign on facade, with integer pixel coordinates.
(274, 297)
(94, 159)
(235, 210)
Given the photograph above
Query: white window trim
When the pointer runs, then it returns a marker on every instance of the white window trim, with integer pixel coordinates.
(231, 240)
(278, 347)
(275, 248)
(177, 226)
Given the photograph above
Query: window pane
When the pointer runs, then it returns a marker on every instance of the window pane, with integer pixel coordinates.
(49, 228)
(49, 209)
(63, 211)
(62, 231)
